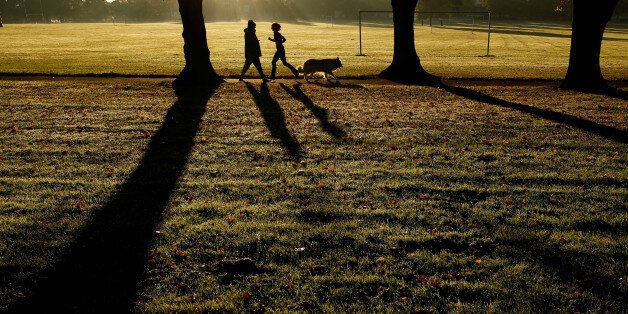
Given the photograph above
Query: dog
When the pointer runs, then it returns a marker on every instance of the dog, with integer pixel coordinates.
(325, 66)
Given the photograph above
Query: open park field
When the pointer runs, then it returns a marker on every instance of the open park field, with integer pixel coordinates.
(368, 196)
(520, 50)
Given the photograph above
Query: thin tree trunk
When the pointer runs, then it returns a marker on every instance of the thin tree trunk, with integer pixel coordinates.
(198, 67)
(406, 65)
(589, 22)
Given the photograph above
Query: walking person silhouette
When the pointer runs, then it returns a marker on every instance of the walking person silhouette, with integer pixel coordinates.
(252, 51)
(281, 51)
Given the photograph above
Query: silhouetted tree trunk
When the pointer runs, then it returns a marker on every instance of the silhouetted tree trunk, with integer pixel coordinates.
(406, 65)
(589, 22)
(198, 67)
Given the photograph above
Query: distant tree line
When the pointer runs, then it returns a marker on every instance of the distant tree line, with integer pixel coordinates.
(287, 10)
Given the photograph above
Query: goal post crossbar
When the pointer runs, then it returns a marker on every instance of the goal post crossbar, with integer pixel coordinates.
(485, 13)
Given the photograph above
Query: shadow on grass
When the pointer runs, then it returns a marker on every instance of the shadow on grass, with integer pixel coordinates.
(100, 271)
(608, 132)
(339, 85)
(593, 272)
(320, 113)
(275, 120)
(519, 31)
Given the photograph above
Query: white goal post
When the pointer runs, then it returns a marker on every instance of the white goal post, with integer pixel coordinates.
(431, 14)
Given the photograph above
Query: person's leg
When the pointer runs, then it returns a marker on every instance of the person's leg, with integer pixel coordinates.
(274, 70)
(258, 64)
(289, 66)
(247, 65)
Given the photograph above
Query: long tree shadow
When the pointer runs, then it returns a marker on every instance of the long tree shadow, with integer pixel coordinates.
(517, 31)
(608, 132)
(275, 120)
(320, 113)
(100, 271)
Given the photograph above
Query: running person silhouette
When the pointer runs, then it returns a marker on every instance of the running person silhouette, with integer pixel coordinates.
(281, 51)
(252, 51)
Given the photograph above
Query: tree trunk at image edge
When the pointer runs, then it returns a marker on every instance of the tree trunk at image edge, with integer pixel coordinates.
(198, 67)
(406, 65)
(589, 22)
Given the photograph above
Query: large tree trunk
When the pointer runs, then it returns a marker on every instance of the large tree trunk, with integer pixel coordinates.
(198, 68)
(406, 65)
(589, 22)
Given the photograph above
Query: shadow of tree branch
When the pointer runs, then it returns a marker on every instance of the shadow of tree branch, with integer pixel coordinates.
(608, 132)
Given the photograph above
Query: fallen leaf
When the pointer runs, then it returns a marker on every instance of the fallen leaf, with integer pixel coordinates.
(81, 206)
(180, 254)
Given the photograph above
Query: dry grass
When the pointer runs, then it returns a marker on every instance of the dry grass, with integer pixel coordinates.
(526, 50)
(431, 200)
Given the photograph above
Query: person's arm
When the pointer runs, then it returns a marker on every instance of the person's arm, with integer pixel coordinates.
(271, 39)
(283, 39)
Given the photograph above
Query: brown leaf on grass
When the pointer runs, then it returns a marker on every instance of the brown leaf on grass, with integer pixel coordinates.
(424, 197)
(180, 254)
(188, 197)
(246, 295)
(81, 206)
(14, 129)
(146, 134)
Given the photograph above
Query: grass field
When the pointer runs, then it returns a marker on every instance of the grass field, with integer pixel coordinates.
(521, 50)
(364, 197)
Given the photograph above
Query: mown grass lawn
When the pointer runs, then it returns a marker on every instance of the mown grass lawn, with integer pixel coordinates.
(520, 49)
(364, 197)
